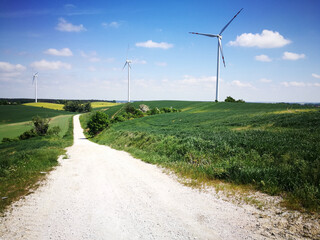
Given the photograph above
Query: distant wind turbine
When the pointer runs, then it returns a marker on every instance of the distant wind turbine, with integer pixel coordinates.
(219, 37)
(128, 62)
(35, 80)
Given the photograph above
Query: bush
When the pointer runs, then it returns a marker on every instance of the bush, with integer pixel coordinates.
(41, 125)
(98, 121)
(4, 140)
(54, 131)
(130, 109)
(28, 134)
(77, 106)
(231, 99)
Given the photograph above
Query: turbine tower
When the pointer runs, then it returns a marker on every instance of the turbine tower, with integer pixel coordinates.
(219, 37)
(35, 79)
(128, 62)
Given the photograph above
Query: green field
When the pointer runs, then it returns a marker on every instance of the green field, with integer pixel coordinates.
(21, 113)
(14, 120)
(273, 147)
(23, 161)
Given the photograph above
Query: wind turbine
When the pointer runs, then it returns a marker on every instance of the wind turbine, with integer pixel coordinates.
(219, 37)
(128, 62)
(35, 79)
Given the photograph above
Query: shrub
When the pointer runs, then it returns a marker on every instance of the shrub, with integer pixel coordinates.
(130, 109)
(54, 131)
(155, 111)
(98, 121)
(41, 125)
(28, 134)
(4, 140)
(77, 106)
(230, 99)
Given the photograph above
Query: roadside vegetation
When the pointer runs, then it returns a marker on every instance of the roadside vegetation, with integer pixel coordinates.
(99, 120)
(27, 156)
(274, 148)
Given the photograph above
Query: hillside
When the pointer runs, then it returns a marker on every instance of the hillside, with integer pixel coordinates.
(273, 147)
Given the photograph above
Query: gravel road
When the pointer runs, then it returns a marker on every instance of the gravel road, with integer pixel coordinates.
(102, 193)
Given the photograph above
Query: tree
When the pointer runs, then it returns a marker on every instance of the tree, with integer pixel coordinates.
(230, 99)
(98, 121)
(41, 125)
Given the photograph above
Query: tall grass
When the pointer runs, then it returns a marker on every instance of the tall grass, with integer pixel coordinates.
(273, 147)
(21, 163)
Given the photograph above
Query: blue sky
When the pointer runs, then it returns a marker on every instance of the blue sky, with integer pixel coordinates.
(271, 49)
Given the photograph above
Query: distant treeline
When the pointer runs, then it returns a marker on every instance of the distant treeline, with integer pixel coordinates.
(17, 101)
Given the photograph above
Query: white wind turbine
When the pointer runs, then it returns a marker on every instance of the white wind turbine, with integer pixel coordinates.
(219, 37)
(128, 62)
(35, 80)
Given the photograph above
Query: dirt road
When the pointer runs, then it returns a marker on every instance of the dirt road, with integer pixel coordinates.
(101, 193)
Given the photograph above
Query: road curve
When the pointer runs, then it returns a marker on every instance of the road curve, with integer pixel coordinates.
(102, 193)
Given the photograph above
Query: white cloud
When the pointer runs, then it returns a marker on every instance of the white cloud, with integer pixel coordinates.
(263, 58)
(46, 65)
(241, 84)
(292, 56)
(65, 52)
(299, 84)
(151, 44)
(187, 79)
(161, 64)
(315, 75)
(65, 26)
(138, 61)
(265, 80)
(267, 39)
(10, 72)
(8, 67)
(111, 25)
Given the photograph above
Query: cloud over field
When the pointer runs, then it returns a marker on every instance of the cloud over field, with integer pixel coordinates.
(10, 71)
(263, 58)
(47, 65)
(315, 75)
(64, 52)
(292, 56)
(65, 26)
(151, 44)
(300, 84)
(8, 67)
(267, 39)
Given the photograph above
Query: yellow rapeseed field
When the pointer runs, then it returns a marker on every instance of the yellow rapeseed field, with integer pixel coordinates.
(102, 104)
(54, 106)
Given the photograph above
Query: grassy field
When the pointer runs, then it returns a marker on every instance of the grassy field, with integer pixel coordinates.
(274, 148)
(21, 113)
(22, 162)
(16, 119)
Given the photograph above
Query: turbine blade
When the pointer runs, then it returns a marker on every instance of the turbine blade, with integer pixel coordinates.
(224, 28)
(204, 34)
(220, 47)
(124, 65)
